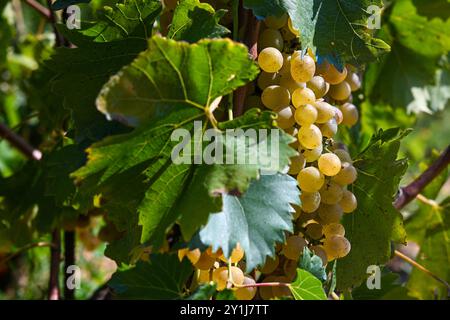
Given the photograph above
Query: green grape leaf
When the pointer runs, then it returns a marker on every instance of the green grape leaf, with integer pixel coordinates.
(307, 287)
(203, 292)
(265, 8)
(430, 229)
(132, 18)
(193, 21)
(411, 26)
(163, 277)
(256, 220)
(390, 285)
(375, 223)
(170, 74)
(337, 30)
(62, 4)
(313, 264)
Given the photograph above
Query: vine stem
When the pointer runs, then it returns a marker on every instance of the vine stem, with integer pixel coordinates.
(19, 143)
(411, 191)
(25, 248)
(251, 29)
(69, 260)
(421, 268)
(55, 257)
(43, 11)
(60, 41)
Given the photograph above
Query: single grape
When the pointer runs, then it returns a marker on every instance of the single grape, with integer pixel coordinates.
(270, 60)
(303, 96)
(266, 293)
(271, 38)
(331, 193)
(314, 230)
(286, 118)
(305, 115)
(302, 68)
(247, 293)
(310, 201)
(268, 79)
(331, 74)
(310, 136)
(311, 155)
(333, 229)
(341, 91)
(220, 277)
(329, 164)
(343, 155)
(297, 164)
(287, 82)
(275, 22)
(329, 213)
(349, 203)
(271, 265)
(329, 129)
(276, 98)
(336, 247)
(310, 179)
(354, 81)
(290, 269)
(318, 85)
(293, 247)
(347, 175)
(350, 113)
(325, 111)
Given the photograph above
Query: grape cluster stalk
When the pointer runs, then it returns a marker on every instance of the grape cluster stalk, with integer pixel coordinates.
(311, 100)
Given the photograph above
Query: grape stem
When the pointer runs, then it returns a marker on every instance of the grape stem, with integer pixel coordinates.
(55, 259)
(411, 191)
(19, 143)
(421, 268)
(427, 201)
(39, 8)
(25, 248)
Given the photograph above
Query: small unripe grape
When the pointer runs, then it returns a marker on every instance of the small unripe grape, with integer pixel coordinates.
(318, 85)
(247, 293)
(336, 247)
(275, 22)
(290, 84)
(271, 38)
(281, 291)
(310, 201)
(305, 115)
(205, 262)
(340, 91)
(331, 193)
(354, 81)
(297, 164)
(292, 29)
(321, 253)
(311, 155)
(271, 265)
(270, 59)
(268, 79)
(349, 203)
(310, 136)
(303, 96)
(220, 277)
(302, 68)
(329, 129)
(276, 98)
(286, 118)
(350, 113)
(293, 247)
(330, 213)
(343, 155)
(310, 179)
(325, 111)
(333, 229)
(314, 230)
(329, 164)
(347, 175)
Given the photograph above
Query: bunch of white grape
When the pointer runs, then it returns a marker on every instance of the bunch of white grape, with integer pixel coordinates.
(311, 101)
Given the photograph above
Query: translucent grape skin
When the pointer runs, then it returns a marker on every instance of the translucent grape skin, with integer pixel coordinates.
(336, 247)
(276, 98)
(350, 114)
(325, 111)
(329, 213)
(310, 179)
(310, 201)
(333, 229)
(329, 164)
(247, 293)
(310, 136)
(270, 60)
(286, 118)
(341, 91)
(348, 203)
(302, 68)
(311, 155)
(275, 22)
(331, 193)
(293, 247)
(347, 175)
(271, 38)
(303, 96)
(318, 85)
(305, 115)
